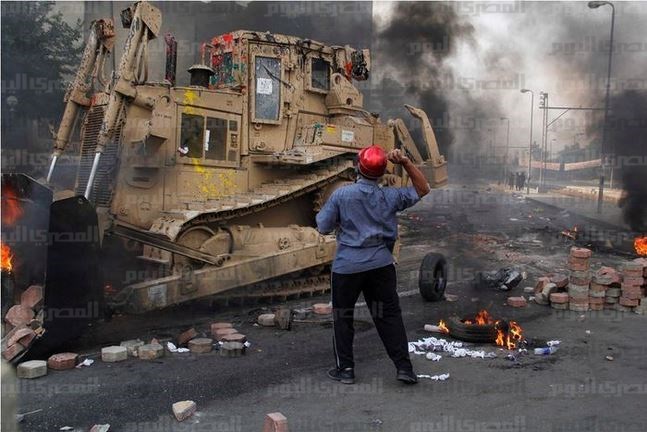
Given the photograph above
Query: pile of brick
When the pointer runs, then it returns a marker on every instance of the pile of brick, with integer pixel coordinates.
(606, 288)
(23, 323)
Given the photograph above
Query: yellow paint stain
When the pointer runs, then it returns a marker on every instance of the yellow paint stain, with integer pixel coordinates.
(214, 185)
(190, 98)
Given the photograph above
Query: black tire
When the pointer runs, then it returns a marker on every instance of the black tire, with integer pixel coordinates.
(471, 333)
(432, 279)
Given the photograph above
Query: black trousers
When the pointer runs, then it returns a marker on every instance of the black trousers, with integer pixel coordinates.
(379, 289)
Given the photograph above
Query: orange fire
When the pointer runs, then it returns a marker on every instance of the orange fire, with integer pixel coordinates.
(572, 234)
(508, 335)
(640, 244)
(7, 257)
(11, 210)
(481, 318)
(509, 338)
(443, 327)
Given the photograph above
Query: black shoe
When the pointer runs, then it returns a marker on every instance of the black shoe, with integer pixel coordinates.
(407, 377)
(345, 376)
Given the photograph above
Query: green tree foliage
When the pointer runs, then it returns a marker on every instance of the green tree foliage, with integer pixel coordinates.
(40, 52)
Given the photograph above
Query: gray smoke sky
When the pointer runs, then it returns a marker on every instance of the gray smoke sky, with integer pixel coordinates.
(555, 47)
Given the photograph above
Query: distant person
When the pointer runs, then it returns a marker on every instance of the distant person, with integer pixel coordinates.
(511, 180)
(522, 181)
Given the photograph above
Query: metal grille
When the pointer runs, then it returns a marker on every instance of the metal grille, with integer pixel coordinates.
(101, 194)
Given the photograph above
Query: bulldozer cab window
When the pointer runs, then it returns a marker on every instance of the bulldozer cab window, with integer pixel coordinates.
(320, 75)
(215, 140)
(191, 136)
(267, 88)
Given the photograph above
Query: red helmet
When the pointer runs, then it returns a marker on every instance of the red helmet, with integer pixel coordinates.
(372, 162)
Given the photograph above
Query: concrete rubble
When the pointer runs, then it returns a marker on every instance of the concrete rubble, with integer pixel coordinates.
(585, 289)
(32, 369)
(184, 409)
(114, 354)
(275, 422)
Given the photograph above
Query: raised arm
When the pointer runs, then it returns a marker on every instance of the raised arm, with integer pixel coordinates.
(417, 177)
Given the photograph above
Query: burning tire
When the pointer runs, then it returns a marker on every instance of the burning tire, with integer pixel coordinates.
(432, 279)
(481, 333)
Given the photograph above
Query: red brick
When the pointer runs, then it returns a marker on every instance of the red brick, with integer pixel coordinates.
(32, 297)
(541, 282)
(275, 422)
(578, 300)
(517, 302)
(12, 351)
(578, 307)
(596, 287)
(578, 252)
(580, 277)
(21, 335)
(186, 336)
(220, 325)
(577, 264)
(596, 300)
(19, 315)
(628, 302)
(560, 280)
(220, 333)
(62, 361)
(632, 295)
(596, 307)
(234, 337)
(559, 298)
(637, 281)
(322, 308)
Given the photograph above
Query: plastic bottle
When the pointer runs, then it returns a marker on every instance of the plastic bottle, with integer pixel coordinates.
(545, 350)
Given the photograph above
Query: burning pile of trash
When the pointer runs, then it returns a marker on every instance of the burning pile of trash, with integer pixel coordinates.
(605, 288)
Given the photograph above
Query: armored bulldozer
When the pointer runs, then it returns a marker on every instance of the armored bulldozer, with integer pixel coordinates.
(186, 192)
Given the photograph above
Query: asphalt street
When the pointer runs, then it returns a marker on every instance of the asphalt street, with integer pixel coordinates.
(575, 389)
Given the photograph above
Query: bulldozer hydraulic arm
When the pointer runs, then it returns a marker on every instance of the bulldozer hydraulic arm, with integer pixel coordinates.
(97, 48)
(144, 21)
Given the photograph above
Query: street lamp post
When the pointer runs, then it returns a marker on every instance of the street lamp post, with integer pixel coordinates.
(603, 155)
(507, 149)
(532, 107)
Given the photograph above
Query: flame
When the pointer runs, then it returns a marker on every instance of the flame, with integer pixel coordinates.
(640, 244)
(481, 318)
(7, 257)
(443, 327)
(11, 210)
(508, 338)
(572, 234)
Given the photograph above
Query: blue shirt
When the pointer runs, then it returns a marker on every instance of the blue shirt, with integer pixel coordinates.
(365, 214)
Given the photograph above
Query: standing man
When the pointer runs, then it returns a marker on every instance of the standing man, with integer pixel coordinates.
(364, 214)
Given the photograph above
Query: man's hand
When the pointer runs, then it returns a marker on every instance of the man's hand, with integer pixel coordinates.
(417, 177)
(397, 157)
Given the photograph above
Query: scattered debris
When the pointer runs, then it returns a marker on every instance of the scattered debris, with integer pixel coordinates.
(322, 308)
(451, 297)
(85, 363)
(186, 336)
(132, 346)
(546, 350)
(62, 361)
(21, 416)
(503, 279)
(218, 334)
(283, 318)
(235, 337)
(100, 428)
(433, 356)
(609, 358)
(31, 369)
(275, 422)
(172, 348)
(441, 377)
(433, 328)
(201, 345)
(266, 320)
(232, 349)
(184, 409)
(151, 351)
(432, 344)
(517, 302)
(114, 354)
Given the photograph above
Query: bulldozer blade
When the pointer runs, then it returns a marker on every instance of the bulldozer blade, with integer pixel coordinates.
(73, 295)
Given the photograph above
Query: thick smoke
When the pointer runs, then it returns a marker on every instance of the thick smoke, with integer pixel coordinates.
(413, 49)
(627, 138)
